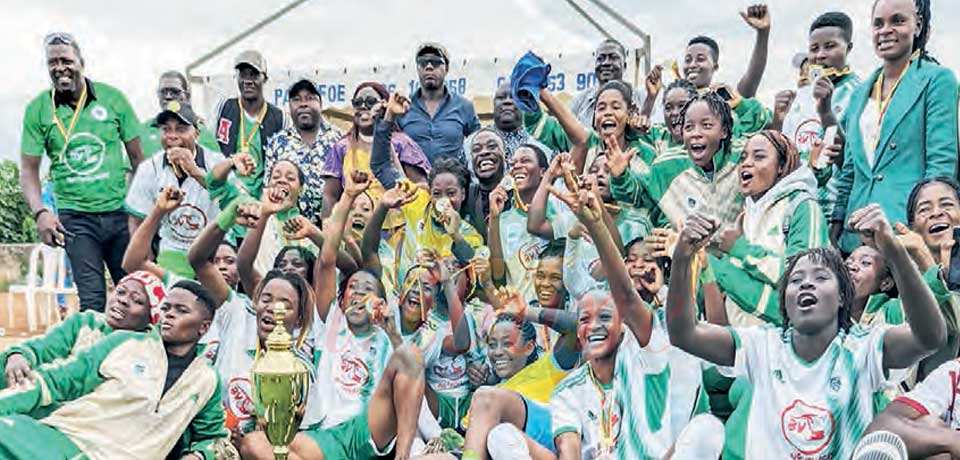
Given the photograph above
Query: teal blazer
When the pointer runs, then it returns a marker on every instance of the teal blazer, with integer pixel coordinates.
(918, 140)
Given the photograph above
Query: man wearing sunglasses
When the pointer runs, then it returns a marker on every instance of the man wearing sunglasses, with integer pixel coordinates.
(83, 127)
(173, 86)
(438, 120)
(306, 143)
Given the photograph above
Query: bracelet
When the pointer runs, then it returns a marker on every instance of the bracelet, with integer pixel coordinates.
(42, 210)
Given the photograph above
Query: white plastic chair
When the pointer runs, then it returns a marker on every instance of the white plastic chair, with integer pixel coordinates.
(51, 283)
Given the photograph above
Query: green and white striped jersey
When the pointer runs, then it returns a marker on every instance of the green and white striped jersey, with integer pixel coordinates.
(806, 410)
(582, 405)
(660, 388)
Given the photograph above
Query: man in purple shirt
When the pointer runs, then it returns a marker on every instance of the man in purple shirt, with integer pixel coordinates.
(438, 120)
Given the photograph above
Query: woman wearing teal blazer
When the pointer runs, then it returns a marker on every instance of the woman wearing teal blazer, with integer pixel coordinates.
(901, 125)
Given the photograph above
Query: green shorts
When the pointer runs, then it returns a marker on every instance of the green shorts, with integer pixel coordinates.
(350, 440)
(45, 441)
(453, 410)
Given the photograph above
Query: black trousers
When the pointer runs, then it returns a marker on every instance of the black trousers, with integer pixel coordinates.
(95, 239)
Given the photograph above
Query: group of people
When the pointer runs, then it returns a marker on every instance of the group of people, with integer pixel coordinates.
(571, 282)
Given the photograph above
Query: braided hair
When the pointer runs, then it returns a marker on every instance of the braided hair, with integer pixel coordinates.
(683, 84)
(920, 42)
(527, 333)
(833, 261)
(719, 108)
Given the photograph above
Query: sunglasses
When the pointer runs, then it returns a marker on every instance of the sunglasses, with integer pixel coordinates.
(365, 102)
(434, 61)
(59, 38)
(175, 92)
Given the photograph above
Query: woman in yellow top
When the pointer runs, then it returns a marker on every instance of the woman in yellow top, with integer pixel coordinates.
(432, 216)
(352, 152)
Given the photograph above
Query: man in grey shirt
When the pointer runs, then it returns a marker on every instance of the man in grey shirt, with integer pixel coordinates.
(611, 61)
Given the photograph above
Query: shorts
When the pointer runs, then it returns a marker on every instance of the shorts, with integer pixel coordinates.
(538, 424)
(350, 440)
(453, 410)
(45, 442)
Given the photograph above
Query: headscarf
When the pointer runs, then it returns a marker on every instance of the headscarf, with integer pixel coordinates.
(154, 289)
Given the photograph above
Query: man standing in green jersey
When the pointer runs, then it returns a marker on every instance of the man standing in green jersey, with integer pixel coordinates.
(173, 86)
(83, 127)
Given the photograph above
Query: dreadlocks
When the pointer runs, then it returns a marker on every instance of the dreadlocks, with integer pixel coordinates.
(719, 108)
(833, 261)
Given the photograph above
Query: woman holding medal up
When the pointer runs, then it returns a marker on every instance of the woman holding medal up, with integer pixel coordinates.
(433, 217)
(901, 124)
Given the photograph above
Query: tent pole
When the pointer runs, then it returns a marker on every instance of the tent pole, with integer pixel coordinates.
(589, 19)
(240, 36)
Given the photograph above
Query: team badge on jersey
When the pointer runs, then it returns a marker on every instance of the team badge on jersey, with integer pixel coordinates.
(806, 427)
(239, 400)
(352, 375)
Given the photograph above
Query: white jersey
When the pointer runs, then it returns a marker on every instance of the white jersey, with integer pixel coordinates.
(182, 225)
(660, 388)
(446, 374)
(349, 368)
(801, 410)
(580, 255)
(236, 322)
(938, 395)
(521, 251)
(582, 405)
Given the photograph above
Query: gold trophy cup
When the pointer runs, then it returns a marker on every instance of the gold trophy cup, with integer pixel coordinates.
(281, 383)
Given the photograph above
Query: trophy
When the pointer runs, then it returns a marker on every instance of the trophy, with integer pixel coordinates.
(281, 383)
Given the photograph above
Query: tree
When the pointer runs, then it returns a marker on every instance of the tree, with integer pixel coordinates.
(16, 223)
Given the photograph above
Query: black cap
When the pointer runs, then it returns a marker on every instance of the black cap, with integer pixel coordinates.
(303, 83)
(179, 110)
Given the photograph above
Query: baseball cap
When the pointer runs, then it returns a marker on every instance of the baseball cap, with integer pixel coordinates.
(179, 110)
(433, 48)
(253, 59)
(303, 83)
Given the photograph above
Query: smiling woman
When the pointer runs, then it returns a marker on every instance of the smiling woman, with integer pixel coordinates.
(881, 161)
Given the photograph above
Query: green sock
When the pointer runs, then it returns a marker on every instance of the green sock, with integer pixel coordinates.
(470, 454)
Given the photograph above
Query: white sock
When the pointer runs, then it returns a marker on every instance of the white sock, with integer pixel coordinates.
(701, 439)
(427, 423)
(506, 442)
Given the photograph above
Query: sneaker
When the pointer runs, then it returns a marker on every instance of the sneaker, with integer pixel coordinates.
(506, 442)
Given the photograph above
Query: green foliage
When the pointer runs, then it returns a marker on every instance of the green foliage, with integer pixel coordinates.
(16, 223)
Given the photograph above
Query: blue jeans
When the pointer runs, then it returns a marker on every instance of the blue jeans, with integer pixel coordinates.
(92, 240)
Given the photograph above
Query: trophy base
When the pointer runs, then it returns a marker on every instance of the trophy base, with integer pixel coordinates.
(281, 452)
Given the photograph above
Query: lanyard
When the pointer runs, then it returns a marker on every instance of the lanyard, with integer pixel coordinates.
(66, 132)
(244, 138)
(606, 414)
(884, 102)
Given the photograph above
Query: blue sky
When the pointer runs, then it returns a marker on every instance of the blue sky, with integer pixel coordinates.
(129, 43)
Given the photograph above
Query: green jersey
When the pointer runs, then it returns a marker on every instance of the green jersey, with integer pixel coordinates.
(150, 140)
(680, 188)
(90, 171)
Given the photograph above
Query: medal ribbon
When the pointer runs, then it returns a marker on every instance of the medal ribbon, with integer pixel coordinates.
(244, 137)
(884, 102)
(66, 132)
